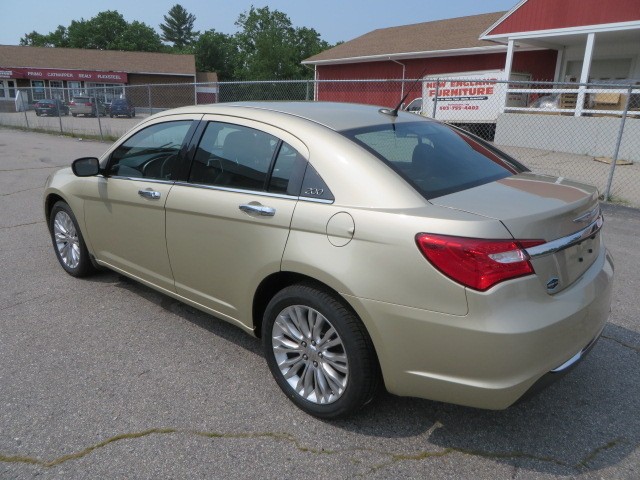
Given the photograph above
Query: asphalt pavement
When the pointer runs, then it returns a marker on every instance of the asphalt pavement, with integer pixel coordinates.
(105, 378)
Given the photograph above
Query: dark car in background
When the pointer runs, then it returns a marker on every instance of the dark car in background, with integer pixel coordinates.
(122, 107)
(85, 105)
(51, 106)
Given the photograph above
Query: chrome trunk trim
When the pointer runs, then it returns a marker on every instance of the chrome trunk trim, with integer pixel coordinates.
(566, 242)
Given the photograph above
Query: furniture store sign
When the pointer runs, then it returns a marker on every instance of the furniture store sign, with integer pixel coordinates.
(57, 74)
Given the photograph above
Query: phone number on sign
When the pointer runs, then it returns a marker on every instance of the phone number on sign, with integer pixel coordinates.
(459, 107)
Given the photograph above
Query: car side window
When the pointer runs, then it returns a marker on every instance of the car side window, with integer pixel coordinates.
(233, 156)
(287, 171)
(150, 153)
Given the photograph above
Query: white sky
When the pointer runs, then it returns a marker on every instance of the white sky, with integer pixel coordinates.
(334, 19)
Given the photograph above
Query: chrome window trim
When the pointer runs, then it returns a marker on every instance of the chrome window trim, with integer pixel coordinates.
(251, 192)
(317, 200)
(142, 179)
(566, 242)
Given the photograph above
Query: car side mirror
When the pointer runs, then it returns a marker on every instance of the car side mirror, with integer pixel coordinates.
(86, 167)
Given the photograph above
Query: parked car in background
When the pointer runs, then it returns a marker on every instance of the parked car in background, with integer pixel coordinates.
(363, 245)
(87, 106)
(122, 107)
(51, 106)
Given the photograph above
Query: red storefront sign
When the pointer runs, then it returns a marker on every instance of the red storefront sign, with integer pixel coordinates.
(56, 74)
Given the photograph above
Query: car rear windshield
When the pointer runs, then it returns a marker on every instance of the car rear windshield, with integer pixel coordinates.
(119, 102)
(435, 159)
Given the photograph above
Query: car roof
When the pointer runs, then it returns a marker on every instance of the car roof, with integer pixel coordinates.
(334, 115)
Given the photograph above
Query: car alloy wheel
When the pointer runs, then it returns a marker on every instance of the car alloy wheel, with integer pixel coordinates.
(66, 238)
(68, 243)
(318, 351)
(310, 354)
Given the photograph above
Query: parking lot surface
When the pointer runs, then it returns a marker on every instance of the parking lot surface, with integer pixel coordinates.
(105, 378)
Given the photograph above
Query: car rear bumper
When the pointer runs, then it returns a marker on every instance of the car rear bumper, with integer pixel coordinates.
(513, 336)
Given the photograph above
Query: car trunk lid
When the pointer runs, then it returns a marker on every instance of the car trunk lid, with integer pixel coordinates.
(543, 207)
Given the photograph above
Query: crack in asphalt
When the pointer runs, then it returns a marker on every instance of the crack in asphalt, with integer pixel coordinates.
(21, 225)
(394, 457)
(20, 191)
(32, 299)
(31, 168)
(581, 465)
(624, 344)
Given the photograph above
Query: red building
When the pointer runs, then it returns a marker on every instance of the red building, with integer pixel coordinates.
(549, 40)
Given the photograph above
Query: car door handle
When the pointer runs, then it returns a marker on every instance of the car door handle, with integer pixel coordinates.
(258, 209)
(153, 195)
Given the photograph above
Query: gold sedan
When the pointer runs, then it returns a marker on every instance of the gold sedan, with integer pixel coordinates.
(362, 245)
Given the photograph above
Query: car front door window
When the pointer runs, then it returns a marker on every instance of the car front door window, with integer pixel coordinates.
(151, 153)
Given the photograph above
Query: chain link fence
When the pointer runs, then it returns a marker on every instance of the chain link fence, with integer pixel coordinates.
(586, 132)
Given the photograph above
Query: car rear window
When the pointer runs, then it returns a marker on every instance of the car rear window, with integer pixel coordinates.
(119, 102)
(434, 158)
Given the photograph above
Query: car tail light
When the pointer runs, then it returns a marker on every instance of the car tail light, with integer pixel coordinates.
(88, 104)
(72, 103)
(475, 262)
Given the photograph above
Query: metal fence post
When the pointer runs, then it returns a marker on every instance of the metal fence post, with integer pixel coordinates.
(149, 96)
(26, 109)
(616, 151)
(59, 115)
(435, 99)
(95, 100)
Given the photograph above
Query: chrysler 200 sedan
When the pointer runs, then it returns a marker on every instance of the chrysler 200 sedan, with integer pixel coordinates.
(364, 246)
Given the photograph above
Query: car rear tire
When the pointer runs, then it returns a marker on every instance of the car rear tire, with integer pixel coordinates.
(68, 242)
(319, 352)
(74, 114)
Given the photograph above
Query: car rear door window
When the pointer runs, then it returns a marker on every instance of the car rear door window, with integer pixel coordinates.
(435, 159)
(150, 153)
(233, 156)
(287, 171)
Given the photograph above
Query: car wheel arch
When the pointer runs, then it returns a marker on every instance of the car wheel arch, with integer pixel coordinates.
(49, 202)
(277, 281)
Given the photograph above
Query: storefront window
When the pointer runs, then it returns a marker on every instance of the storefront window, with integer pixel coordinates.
(75, 89)
(7, 89)
(11, 86)
(106, 92)
(38, 89)
(55, 86)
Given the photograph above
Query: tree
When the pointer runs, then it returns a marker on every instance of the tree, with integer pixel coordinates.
(178, 27)
(108, 30)
(270, 47)
(216, 52)
(57, 38)
(140, 37)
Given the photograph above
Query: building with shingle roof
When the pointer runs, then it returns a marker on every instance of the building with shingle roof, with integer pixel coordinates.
(48, 72)
(545, 40)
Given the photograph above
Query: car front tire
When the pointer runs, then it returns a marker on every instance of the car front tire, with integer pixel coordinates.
(68, 242)
(319, 352)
